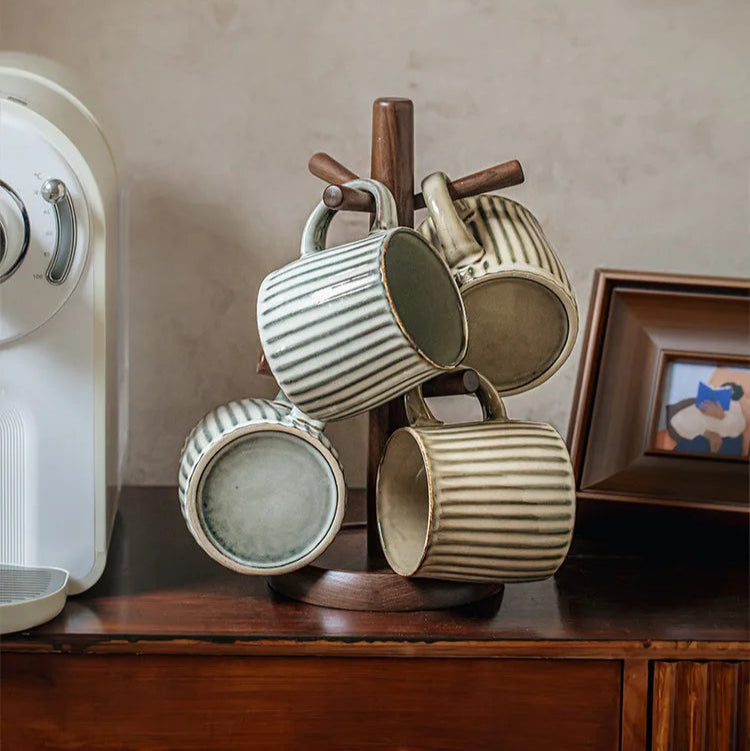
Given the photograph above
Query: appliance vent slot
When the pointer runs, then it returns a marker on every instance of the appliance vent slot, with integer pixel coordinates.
(12, 485)
(18, 584)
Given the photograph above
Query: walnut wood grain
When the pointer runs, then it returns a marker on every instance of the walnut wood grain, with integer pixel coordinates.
(604, 283)
(325, 167)
(700, 706)
(643, 323)
(392, 152)
(663, 708)
(376, 590)
(637, 317)
(497, 177)
(163, 702)
(161, 593)
(344, 198)
(392, 163)
(454, 383)
(635, 705)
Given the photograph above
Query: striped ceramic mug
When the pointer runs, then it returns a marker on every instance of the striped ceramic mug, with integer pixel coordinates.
(487, 501)
(261, 488)
(521, 310)
(349, 328)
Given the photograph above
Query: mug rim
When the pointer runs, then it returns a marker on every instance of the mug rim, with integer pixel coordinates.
(212, 450)
(414, 433)
(459, 298)
(569, 306)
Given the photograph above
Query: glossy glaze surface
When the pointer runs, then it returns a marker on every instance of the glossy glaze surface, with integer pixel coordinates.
(346, 329)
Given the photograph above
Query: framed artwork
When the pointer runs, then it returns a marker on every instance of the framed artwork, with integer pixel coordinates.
(702, 407)
(661, 414)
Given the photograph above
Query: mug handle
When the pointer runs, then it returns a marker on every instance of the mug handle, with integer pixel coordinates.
(419, 414)
(316, 228)
(296, 415)
(459, 246)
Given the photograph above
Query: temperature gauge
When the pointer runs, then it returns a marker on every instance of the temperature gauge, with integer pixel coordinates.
(54, 192)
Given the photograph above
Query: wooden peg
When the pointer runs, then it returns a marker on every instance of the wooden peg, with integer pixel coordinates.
(325, 167)
(497, 177)
(453, 383)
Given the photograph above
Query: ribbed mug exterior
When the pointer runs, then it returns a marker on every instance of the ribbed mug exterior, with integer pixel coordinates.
(490, 236)
(231, 422)
(501, 498)
(329, 330)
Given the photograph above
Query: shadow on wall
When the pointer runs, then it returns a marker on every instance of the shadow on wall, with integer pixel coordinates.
(193, 339)
(193, 324)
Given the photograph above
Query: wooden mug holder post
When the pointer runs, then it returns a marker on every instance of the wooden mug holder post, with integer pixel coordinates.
(379, 588)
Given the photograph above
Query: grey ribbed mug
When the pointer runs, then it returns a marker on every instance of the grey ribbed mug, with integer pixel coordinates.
(347, 329)
(487, 501)
(261, 488)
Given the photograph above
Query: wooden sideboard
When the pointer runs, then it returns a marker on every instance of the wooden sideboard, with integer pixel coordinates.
(171, 651)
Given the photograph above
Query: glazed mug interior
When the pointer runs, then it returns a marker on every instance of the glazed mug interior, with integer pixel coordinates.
(430, 312)
(423, 296)
(529, 328)
(405, 496)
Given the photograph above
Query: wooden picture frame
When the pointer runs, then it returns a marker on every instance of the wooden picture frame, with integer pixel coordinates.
(638, 323)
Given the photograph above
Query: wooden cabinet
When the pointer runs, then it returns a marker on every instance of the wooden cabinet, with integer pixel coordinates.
(171, 651)
(295, 703)
(701, 706)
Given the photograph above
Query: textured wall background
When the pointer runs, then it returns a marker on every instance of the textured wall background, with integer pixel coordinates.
(629, 116)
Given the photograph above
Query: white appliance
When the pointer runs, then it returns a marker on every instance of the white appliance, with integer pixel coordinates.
(61, 452)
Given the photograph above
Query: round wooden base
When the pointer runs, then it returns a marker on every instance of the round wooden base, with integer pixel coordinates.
(376, 590)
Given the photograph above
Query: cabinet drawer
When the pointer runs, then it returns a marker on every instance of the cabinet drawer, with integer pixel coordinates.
(701, 706)
(165, 702)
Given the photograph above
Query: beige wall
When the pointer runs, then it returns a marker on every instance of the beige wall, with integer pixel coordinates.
(630, 118)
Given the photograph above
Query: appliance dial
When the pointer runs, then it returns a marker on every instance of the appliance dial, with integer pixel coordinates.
(44, 213)
(14, 231)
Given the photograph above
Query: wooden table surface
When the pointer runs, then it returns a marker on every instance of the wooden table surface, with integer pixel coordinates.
(161, 594)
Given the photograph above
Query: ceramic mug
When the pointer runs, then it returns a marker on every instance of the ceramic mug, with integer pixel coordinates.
(261, 488)
(347, 329)
(521, 310)
(486, 501)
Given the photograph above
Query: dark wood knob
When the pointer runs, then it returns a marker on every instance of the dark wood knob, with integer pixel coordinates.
(348, 199)
(453, 383)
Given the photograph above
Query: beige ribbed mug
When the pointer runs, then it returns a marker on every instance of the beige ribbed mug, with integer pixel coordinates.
(484, 501)
(520, 307)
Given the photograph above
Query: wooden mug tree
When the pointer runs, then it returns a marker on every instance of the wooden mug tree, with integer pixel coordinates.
(379, 588)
